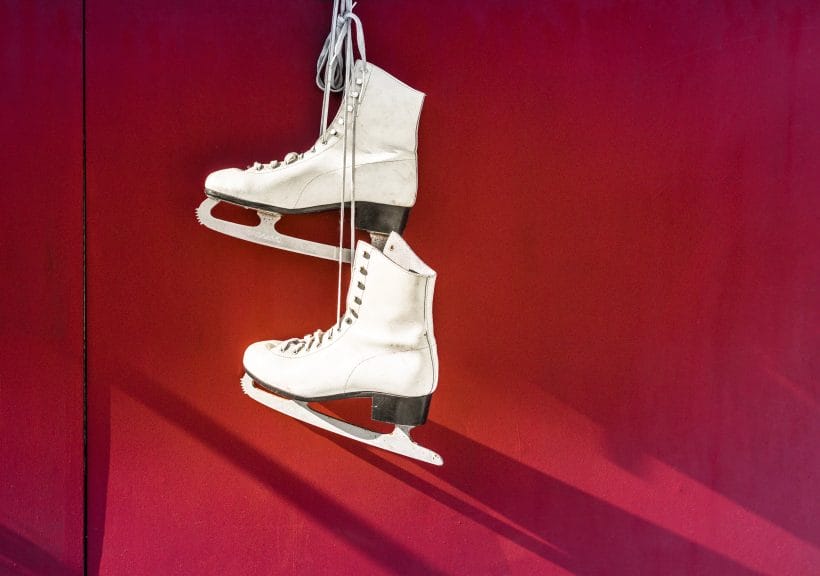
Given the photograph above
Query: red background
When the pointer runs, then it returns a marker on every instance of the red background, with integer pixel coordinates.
(621, 200)
(41, 289)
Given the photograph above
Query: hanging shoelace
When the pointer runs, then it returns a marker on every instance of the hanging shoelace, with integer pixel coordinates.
(336, 81)
(333, 60)
(317, 338)
(333, 66)
(335, 70)
(336, 66)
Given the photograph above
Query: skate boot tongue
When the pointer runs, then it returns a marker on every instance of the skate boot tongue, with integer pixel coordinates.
(399, 252)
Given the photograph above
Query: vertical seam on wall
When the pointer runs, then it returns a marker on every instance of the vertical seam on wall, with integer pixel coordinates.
(85, 303)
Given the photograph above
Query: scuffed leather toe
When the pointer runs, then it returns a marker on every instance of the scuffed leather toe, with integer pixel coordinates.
(229, 181)
(257, 359)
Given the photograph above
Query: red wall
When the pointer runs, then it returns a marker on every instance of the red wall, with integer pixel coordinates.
(41, 289)
(621, 200)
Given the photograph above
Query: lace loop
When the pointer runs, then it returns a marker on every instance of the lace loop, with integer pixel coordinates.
(334, 69)
(331, 65)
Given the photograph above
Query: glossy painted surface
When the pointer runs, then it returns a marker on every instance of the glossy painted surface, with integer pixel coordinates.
(41, 287)
(621, 200)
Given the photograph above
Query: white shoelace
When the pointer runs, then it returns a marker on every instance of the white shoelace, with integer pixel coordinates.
(333, 68)
(335, 73)
(333, 60)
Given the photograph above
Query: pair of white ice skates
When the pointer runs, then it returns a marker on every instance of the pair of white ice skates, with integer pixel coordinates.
(383, 346)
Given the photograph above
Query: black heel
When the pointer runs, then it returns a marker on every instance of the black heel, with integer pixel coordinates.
(381, 218)
(408, 411)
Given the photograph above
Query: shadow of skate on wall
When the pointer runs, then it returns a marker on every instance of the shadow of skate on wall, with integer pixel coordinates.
(549, 518)
(19, 556)
(344, 522)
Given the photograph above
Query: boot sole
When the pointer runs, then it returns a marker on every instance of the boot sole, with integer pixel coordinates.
(390, 408)
(370, 216)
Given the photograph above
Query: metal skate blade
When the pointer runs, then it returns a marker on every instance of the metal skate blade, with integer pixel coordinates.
(397, 441)
(265, 233)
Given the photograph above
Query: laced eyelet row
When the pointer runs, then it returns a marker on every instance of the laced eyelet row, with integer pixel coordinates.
(360, 285)
(298, 345)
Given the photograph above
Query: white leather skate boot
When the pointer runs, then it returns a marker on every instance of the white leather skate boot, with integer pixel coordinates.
(368, 154)
(382, 348)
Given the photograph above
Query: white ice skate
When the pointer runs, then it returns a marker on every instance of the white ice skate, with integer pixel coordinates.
(382, 348)
(366, 158)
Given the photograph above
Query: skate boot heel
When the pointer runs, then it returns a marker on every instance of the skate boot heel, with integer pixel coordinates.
(407, 411)
(381, 218)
